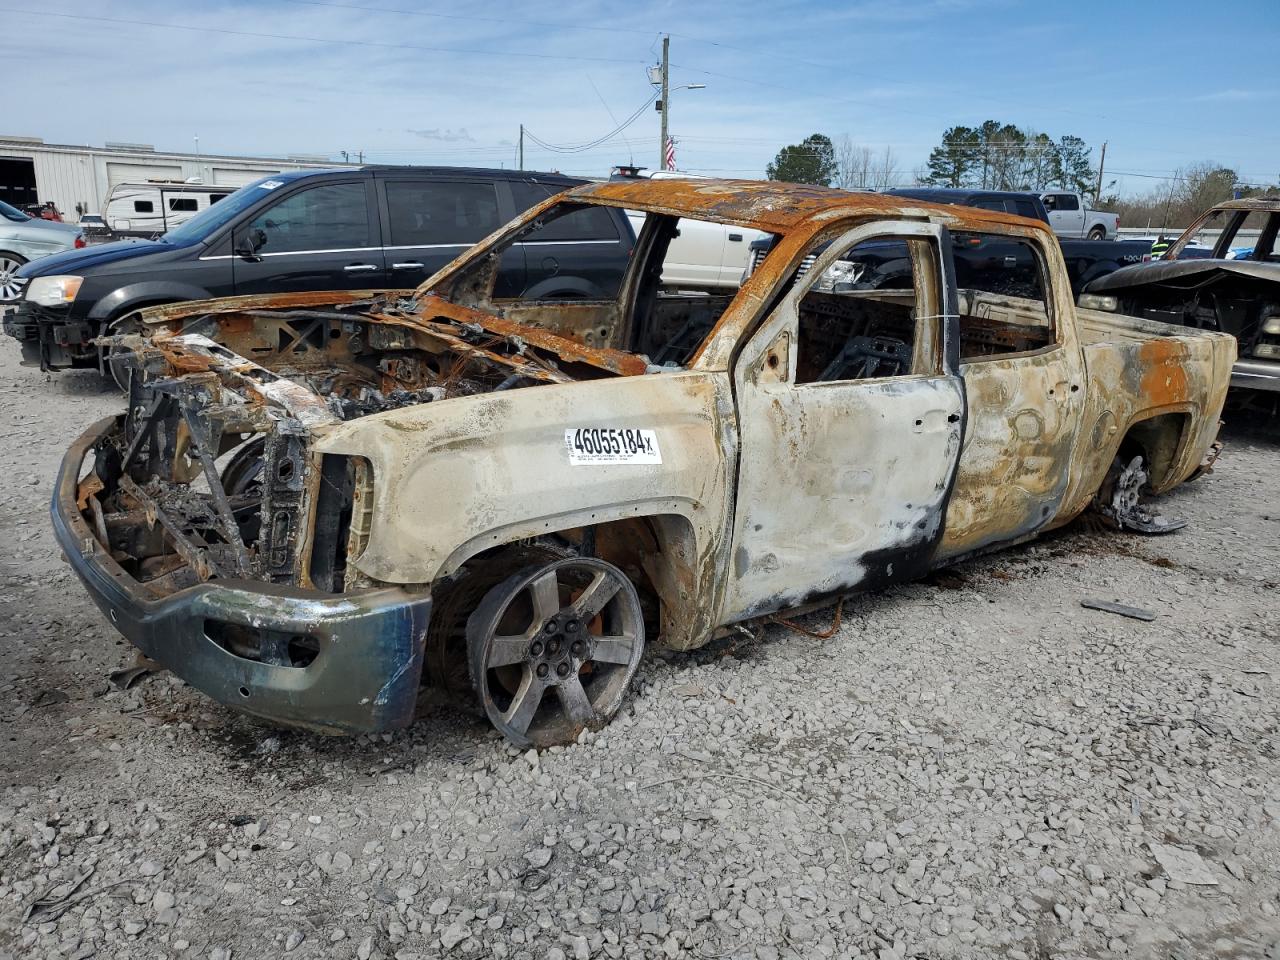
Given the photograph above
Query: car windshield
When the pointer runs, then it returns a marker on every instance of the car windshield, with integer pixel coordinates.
(12, 213)
(225, 210)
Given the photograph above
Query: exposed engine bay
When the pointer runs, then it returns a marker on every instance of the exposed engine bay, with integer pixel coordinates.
(210, 476)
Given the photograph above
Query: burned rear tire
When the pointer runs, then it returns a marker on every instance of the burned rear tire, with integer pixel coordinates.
(1119, 500)
(553, 648)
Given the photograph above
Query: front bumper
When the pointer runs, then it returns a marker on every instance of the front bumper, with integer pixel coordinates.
(363, 679)
(1256, 375)
(50, 338)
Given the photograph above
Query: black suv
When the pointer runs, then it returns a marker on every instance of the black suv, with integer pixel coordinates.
(364, 228)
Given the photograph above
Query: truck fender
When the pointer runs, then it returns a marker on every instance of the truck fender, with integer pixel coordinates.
(144, 293)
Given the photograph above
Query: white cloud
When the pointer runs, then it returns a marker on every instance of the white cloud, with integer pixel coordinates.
(1236, 95)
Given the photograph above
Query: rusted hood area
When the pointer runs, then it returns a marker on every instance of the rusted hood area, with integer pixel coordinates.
(404, 308)
(1145, 274)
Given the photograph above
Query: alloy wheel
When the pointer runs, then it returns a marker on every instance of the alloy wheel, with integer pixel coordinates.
(552, 649)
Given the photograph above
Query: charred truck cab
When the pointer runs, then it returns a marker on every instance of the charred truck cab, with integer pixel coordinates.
(316, 503)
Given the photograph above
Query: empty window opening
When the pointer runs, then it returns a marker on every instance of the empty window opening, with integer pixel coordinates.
(858, 320)
(1003, 308)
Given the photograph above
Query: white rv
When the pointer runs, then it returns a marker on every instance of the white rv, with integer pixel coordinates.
(146, 209)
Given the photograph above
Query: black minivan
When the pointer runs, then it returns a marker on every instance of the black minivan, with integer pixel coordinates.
(365, 228)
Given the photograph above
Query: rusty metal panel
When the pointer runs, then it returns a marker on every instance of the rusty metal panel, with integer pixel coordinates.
(1019, 435)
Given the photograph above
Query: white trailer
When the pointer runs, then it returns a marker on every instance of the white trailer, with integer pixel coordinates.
(146, 209)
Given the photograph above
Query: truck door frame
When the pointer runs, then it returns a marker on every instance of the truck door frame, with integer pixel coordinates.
(1023, 414)
(844, 485)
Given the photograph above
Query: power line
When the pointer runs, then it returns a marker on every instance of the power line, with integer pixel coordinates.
(342, 42)
(828, 96)
(582, 147)
(562, 25)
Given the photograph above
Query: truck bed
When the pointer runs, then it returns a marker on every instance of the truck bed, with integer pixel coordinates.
(1100, 326)
(1140, 370)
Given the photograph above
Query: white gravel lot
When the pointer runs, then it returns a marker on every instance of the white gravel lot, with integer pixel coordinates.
(974, 766)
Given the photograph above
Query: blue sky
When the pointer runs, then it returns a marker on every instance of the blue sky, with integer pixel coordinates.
(1167, 84)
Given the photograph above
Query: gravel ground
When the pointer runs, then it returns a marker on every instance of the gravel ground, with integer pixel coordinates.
(974, 766)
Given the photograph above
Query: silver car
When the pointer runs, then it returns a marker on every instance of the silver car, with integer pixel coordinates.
(24, 238)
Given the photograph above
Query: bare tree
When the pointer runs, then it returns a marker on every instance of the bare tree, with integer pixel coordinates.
(1188, 193)
(884, 171)
(854, 164)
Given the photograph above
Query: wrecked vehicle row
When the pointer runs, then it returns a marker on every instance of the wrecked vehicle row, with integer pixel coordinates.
(317, 503)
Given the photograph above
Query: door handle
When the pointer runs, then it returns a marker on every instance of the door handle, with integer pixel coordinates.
(735, 237)
(408, 265)
(361, 268)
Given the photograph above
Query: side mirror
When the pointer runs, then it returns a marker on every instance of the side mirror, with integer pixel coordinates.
(250, 242)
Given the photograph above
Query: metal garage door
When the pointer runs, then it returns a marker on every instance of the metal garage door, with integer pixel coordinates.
(140, 172)
(228, 177)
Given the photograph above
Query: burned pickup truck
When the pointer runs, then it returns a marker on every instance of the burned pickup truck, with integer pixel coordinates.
(317, 504)
(1232, 290)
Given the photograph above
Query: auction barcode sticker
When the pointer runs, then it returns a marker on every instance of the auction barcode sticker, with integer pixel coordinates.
(591, 445)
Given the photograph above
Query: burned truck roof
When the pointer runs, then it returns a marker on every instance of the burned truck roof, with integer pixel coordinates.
(770, 205)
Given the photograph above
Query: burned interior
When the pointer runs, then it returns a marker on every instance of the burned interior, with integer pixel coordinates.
(642, 318)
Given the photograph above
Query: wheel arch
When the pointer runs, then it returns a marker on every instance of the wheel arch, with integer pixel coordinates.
(576, 286)
(1161, 437)
(132, 297)
(657, 547)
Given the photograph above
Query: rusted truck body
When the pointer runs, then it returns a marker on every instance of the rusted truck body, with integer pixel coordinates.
(315, 504)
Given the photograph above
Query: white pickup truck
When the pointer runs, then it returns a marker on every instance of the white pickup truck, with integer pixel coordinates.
(703, 255)
(1070, 216)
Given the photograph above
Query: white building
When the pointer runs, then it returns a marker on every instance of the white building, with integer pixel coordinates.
(79, 178)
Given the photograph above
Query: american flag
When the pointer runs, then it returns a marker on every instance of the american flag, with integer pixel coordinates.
(671, 153)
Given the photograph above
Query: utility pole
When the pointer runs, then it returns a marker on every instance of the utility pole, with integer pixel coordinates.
(520, 165)
(1102, 162)
(662, 143)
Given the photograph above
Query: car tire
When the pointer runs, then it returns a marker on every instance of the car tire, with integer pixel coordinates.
(9, 264)
(1098, 233)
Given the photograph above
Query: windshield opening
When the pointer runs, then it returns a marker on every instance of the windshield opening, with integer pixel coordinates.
(573, 270)
(1228, 234)
(12, 213)
(222, 212)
